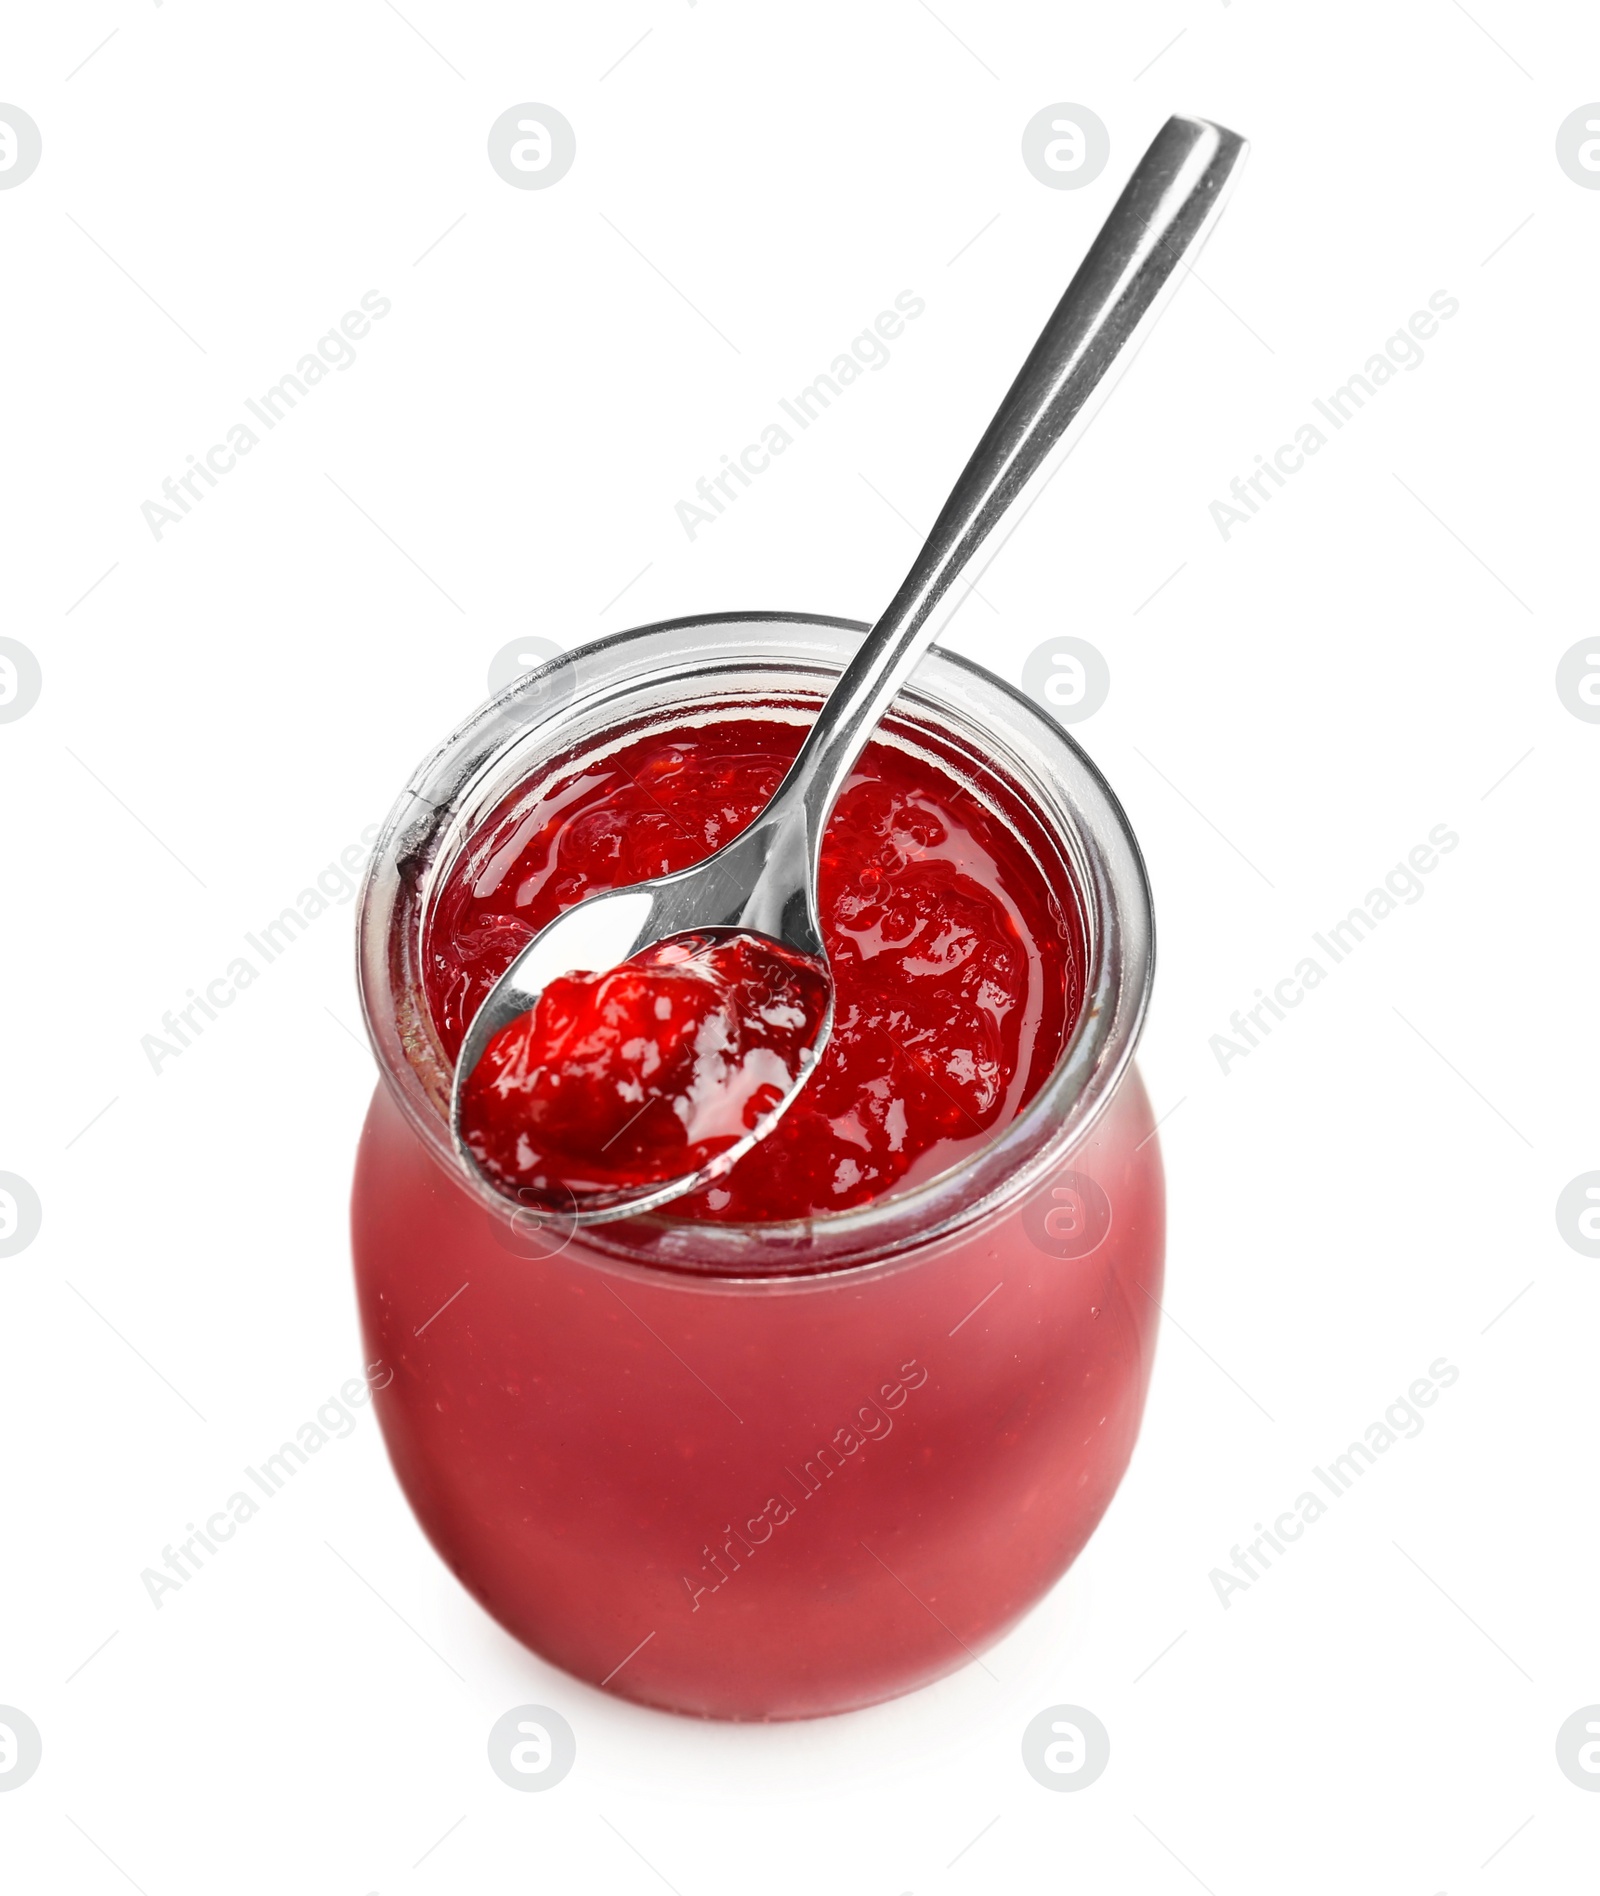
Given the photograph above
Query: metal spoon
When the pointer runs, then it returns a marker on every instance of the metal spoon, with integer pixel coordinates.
(765, 880)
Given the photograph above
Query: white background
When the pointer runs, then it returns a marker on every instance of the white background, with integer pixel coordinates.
(1294, 709)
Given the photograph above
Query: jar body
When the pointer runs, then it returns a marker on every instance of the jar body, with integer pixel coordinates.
(771, 1470)
(764, 1499)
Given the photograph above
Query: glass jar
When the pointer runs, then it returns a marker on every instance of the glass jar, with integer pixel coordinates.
(777, 1470)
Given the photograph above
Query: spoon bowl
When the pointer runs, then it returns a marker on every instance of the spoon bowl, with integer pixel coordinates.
(738, 890)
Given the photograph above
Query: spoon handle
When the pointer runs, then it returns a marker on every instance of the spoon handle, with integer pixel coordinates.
(1167, 208)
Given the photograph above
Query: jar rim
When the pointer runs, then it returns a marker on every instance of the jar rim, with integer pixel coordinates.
(473, 768)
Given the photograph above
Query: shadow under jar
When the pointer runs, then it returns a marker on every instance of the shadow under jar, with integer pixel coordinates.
(780, 1469)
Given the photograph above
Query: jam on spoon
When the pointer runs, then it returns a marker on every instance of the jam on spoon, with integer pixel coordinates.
(647, 1070)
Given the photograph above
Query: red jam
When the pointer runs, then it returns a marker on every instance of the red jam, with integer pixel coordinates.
(958, 972)
(645, 1072)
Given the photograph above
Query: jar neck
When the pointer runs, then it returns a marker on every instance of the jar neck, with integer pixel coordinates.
(997, 743)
